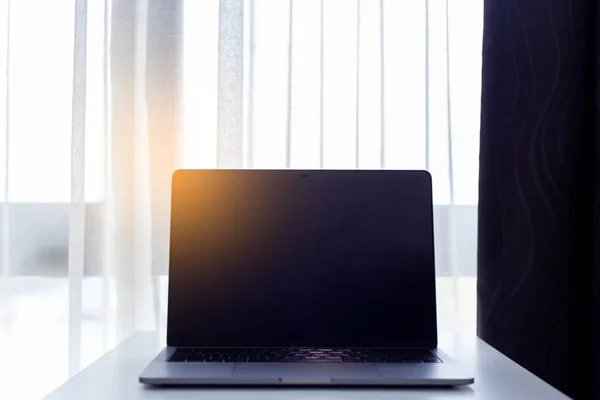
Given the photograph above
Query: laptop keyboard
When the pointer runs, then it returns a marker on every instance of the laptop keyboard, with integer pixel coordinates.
(195, 354)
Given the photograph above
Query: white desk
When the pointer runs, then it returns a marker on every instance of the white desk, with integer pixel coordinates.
(115, 376)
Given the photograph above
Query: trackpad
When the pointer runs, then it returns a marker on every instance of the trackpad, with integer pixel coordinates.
(304, 373)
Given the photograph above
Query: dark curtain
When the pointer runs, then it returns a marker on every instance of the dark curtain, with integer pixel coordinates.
(538, 197)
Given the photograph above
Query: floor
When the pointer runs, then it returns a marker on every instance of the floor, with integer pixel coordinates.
(35, 323)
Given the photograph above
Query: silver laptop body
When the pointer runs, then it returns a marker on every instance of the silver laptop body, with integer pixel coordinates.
(302, 278)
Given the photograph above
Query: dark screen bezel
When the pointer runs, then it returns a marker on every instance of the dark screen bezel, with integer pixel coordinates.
(180, 338)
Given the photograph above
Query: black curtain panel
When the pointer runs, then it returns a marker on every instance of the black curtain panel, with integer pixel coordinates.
(539, 226)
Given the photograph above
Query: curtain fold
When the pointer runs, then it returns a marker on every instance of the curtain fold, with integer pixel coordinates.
(163, 98)
(121, 166)
(145, 148)
(77, 206)
(230, 78)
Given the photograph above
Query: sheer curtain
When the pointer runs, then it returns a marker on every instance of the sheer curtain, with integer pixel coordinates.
(100, 100)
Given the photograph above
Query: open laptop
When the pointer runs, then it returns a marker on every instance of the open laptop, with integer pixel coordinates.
(302, 278)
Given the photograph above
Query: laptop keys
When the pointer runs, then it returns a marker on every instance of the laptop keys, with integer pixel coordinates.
(187, 354)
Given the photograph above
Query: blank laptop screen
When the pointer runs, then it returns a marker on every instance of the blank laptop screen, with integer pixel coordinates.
(301, 258)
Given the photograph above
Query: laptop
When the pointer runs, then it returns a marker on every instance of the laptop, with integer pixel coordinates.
(289, 277)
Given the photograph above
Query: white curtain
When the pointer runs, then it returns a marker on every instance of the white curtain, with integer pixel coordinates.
(101, 100)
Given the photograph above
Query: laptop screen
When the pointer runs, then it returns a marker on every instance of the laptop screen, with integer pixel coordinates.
(301, 258)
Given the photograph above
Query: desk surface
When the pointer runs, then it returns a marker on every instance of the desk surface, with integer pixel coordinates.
(115, 376)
